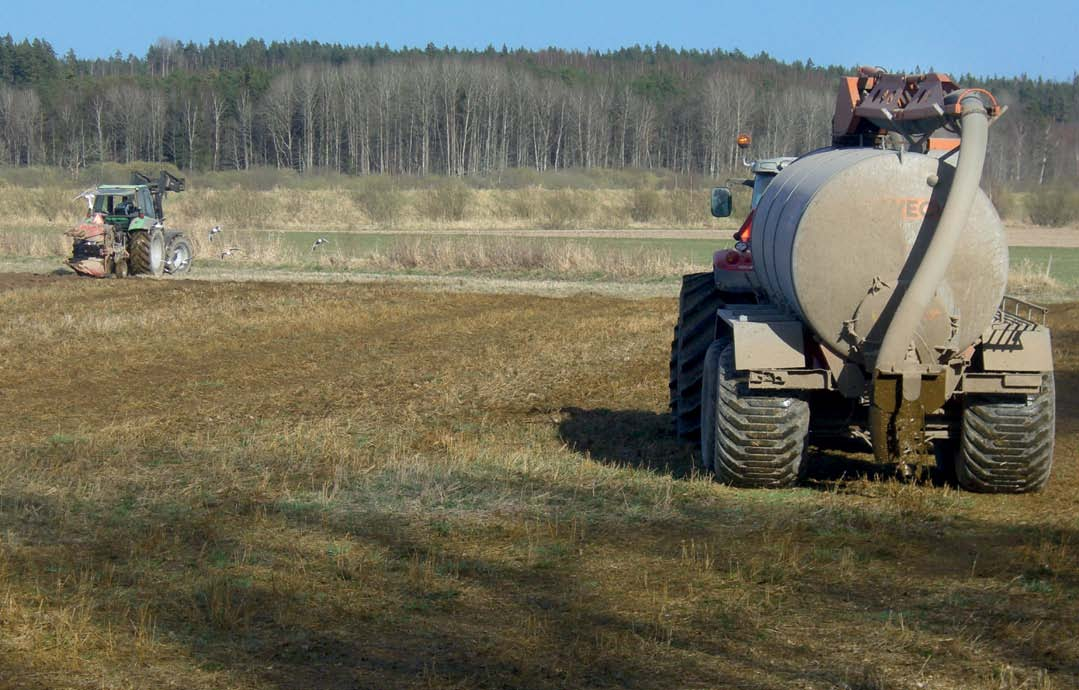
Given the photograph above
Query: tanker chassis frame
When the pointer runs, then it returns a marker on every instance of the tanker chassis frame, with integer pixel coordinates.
(755, 383)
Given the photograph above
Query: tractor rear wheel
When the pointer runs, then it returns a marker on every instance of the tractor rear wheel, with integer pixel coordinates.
(694, 332)
(754, 439)
(1006, 444)
(147, 252)
(178, 254)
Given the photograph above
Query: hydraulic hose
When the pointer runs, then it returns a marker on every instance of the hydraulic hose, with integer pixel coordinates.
(934, 265)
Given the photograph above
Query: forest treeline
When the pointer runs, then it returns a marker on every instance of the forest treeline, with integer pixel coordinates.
(370, 109)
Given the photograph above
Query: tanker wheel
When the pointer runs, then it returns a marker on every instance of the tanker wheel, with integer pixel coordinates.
(694, 332)
(147, 253)
(1006, 443)
(119, 268)
(754, 439)
(708, 402)
(178, 255)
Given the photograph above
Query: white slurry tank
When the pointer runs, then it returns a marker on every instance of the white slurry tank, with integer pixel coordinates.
(839, 230)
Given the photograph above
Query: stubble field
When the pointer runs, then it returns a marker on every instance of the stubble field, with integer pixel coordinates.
(272, 485)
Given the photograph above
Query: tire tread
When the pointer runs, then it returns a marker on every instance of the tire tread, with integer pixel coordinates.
(1006, 445)
(698, 302)
(759, 438)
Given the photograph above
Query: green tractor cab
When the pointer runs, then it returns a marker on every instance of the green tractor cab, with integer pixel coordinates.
(124, 232)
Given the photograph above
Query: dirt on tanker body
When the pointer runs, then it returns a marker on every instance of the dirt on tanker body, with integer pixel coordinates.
(341, 485)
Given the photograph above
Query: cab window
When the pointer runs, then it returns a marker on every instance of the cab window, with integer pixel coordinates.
(104, 203)
(115, 205)
(146, 204)
(760, 183)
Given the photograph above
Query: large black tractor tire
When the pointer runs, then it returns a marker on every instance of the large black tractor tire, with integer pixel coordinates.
(753, 439)
(147, 253)
(1006, 444)
(694, 332)
(178, 254)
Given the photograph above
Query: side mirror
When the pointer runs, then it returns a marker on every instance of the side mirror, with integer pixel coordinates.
(721, 202)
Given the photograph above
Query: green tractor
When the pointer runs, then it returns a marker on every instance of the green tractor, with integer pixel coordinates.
(124, 232)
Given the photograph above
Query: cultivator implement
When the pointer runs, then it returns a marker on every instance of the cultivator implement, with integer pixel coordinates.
(95, 251)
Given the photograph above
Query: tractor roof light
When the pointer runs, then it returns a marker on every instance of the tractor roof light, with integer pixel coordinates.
(744, 140)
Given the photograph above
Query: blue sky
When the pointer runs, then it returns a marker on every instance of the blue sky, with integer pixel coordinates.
(998, 38)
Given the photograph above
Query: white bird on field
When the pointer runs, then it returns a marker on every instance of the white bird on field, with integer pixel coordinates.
(318, 243)
(230, 251)
(213, 231)
(89, 195)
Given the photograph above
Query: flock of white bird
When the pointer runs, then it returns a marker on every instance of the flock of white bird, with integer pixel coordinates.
(216, 230)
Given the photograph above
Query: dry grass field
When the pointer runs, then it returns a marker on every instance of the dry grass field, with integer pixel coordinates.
(378, 204)
(269, 485)
(1043, 274)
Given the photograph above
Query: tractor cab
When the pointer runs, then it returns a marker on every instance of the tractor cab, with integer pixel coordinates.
(733, 267)
(121, 205)
(764, 171)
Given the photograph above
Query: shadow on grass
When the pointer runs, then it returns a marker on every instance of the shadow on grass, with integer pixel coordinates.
(464, 597)
(1067, 388)
(628, 438)
(463, 605)
(465, 623)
